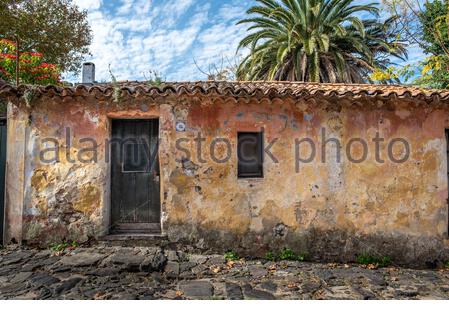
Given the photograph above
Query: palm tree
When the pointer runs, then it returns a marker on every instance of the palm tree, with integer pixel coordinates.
(317, 41)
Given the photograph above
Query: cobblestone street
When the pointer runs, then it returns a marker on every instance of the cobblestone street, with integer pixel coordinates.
(150, 273)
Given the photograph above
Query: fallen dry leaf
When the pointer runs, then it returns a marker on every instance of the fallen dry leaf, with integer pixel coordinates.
(292, 285)
(57, 253)
(318, 295)
(179, 293)
(215, 269)
(99, 296)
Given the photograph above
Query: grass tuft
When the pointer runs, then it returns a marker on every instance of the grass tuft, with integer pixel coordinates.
(287, 254)
(231, 255)
(368, 259)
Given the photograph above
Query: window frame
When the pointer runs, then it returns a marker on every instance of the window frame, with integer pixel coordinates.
(125, 155)
(260, 144)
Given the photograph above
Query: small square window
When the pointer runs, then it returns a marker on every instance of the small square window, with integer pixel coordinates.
(250, 154)
(136, 158)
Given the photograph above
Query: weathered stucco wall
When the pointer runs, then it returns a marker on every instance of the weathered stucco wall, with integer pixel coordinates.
(331, 210)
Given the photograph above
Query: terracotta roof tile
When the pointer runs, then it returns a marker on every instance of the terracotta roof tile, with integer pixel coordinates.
(258, 89)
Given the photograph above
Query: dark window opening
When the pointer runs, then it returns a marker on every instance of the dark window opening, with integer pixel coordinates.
(136, 158)
(250, 154)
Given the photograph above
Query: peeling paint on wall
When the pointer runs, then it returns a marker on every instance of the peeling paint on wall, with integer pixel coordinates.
(333, 209)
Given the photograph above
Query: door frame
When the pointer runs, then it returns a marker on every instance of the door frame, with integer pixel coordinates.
(108, 194)
(446, 135)
(4, 146)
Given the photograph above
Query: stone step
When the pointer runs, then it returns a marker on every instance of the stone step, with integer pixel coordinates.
(134, 240)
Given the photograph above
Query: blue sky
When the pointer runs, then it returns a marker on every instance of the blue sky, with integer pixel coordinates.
(136, 36)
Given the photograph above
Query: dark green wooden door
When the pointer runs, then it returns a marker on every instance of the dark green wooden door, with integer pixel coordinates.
(2, 174)
(135, 186)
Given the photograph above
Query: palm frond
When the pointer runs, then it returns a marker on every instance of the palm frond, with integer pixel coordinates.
(316, 40)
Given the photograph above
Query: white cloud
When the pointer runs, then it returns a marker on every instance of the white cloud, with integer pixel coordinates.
(229, 12)
(415, 54)
(171, 11)
(88, 4)
(135, 36)
(126, 6)
(135, 7)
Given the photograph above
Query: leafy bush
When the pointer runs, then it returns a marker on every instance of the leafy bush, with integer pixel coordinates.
(231, 256)
(270, 256)
(367, 259)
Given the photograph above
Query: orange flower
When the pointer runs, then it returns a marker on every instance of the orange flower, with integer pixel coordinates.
(6, 41)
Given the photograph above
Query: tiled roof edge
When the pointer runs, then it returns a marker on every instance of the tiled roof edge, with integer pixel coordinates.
(257, 89)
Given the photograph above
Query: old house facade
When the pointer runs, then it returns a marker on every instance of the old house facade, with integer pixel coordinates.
(335, 170)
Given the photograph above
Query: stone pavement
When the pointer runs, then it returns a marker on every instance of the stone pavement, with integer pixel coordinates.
(150, 273)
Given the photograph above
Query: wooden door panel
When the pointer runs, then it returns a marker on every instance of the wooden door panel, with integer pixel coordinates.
(135, 189)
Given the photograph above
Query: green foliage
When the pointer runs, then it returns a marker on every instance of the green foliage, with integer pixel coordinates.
(56, 28)
(155, 79)
(317, 41)
(432, 72)
(434, 21)
(270, 256)
(392, 74)
(33, 68)
(435, 41)
(117, 94)
(302, 256)
(368, 259)
(59, 247)
(446, 264)
(231, 256)
(287, 254)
